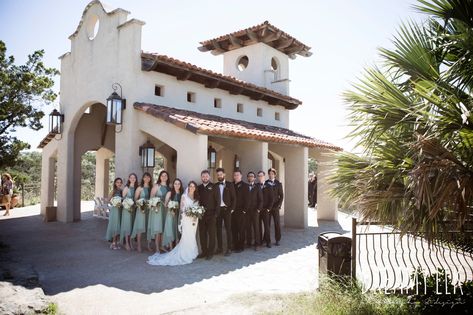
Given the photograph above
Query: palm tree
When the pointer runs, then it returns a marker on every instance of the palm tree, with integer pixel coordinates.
(412, 119)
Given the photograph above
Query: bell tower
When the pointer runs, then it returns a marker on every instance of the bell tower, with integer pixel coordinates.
(258, 55)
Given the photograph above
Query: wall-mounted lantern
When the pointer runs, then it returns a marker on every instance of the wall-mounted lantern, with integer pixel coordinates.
(212, 157)
(147, 153)
(236, 165)
(115, 105)
(55, 122)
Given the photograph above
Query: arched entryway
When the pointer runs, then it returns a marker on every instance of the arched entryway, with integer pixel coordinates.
(91, 134)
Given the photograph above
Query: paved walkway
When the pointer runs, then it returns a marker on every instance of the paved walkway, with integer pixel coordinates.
(78, 270)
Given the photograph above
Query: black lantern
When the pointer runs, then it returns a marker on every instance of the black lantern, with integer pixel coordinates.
(237, 162)
(55, 122)
(115, 105)
(212, 157)
(147, 153)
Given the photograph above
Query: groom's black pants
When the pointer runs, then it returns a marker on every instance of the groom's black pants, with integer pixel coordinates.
(224, 216)
(207, 234)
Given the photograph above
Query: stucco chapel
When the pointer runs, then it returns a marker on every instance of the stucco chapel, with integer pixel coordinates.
(132, 105)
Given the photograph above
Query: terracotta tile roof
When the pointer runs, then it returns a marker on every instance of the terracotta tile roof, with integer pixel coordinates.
(46, 140)
(187, 71)
(264, 32)
(219, 126)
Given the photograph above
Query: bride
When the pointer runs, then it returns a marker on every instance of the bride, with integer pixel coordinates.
(186, 251)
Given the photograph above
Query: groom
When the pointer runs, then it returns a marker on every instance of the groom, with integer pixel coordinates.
(210, 200)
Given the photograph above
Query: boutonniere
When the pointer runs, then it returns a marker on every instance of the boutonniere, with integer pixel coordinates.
(209, 188)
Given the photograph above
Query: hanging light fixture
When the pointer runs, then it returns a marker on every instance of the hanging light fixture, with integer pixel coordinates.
(147, 153)
(115, 105)
(236, 165)
(55, 122)
(212, 157)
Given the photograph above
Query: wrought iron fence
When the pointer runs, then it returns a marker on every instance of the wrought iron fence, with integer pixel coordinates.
(382, 258)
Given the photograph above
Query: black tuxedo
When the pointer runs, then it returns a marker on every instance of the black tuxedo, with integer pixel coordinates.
(278, 197)
(264, 216)
(224, 214)
(209, 198)
(312, 189)
(239, 216)
(255, 205)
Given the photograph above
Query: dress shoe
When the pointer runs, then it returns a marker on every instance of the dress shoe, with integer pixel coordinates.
(268, 245)
(209, 257)
(228, 252)
(238, 250)
(277, 243)
(256, 248)
(219, 251)
(201, 256)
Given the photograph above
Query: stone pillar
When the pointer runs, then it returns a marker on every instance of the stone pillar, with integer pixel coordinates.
(327, 207)
(102, 169)
(295, 195)
(65, 179)
(48, 163)
(253, 156)
(191, 158)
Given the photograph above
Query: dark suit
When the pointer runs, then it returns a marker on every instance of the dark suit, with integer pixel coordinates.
(278, 196)
(224, 215)
(255, 206)
(264, 216)
(312, 189)
(239, 216)
(210, 200)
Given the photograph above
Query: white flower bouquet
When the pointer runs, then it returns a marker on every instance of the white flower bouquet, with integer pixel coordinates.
(195, 212)
(116, 201)
(128, 204)
(155, 203)
(173, 206)
(142, 204)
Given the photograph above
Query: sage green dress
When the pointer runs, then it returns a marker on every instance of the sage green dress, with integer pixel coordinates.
(140, 218)
(127, 217)
(114, 219)
(170, 224)
(156, 219)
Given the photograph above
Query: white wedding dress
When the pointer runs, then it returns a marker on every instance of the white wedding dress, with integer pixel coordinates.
(186, 251)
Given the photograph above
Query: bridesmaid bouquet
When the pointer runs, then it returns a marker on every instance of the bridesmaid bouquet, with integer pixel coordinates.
(154, 203)
(173, 206)
(142, 204)
(116, 201)
(128, 204)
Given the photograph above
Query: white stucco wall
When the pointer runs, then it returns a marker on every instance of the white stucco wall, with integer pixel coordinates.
(259, 69)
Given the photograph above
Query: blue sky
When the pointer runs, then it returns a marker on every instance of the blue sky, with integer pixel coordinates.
(344, 36)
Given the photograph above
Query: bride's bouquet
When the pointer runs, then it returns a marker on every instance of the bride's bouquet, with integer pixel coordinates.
(155, 203)
(116, 201)
(142, 204)
(195, 212)
(173, 206)
(128, 204)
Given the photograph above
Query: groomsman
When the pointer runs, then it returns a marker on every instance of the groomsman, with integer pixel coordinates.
(225, 209)
(278, 197)
(267, 205)
(210, 200)
(255, 205)
(239, 216)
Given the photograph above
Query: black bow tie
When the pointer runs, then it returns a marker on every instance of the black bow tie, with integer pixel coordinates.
(221, 183)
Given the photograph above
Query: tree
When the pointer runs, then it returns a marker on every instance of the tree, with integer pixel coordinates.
(412, 119)
(23, 89)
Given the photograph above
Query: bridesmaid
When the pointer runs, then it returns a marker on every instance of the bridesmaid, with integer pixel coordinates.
(170, 224)
(127, 216)
(113, 228)
(142, 192)
(156, 219)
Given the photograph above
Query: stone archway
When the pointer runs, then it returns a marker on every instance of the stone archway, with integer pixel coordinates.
(90, 134)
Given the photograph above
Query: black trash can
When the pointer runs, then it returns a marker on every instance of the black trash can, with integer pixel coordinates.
(334, 254)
